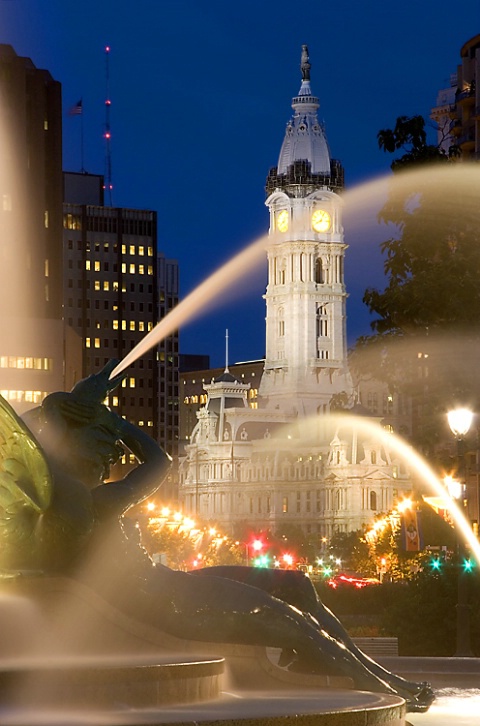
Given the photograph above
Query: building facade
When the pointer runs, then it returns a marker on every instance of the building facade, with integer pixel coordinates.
(37, 353)
(289, 460)
(457, 112)
(116, 288)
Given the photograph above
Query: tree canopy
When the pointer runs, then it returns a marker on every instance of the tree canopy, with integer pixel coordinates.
(427, 318)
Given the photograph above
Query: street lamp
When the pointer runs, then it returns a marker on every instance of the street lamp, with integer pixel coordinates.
(460, 420)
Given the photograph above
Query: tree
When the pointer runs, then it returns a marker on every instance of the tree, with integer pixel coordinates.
(427, 324)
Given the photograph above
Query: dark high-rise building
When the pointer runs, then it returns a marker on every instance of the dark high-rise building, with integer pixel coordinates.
(31, 185)
(35, 350)
(116, 288)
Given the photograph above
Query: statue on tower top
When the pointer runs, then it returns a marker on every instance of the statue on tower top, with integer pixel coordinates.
(305, 65)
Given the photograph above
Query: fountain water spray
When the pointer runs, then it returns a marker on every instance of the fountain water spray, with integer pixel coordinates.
(197, 301)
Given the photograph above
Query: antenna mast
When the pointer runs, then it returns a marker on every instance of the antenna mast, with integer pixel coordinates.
(107, 182)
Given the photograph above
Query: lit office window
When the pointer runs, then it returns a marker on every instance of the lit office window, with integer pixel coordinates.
(87, 342)
(132, 249)
(115, 324)
(124, 324)
(132, 269)
(150, 251)
(106, 285)
(124, 267)
(141, 326)
(141, 251)
(124, 249)
(132, 324)
(132, 382)
(97, 265)
(141, 269)
(87, 264)
(150, 269)
(97, 285)
(97, 342)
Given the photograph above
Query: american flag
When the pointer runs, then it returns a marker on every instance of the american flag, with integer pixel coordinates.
(77, 109)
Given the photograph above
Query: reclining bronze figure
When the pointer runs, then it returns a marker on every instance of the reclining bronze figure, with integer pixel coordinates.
(58, 513)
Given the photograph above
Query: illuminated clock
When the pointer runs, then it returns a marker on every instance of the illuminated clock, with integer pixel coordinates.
(282, 220)
(321, 220)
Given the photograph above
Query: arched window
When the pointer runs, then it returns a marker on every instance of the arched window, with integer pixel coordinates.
(319, 271)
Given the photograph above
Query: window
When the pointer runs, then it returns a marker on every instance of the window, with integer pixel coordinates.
(373, 500)
(322, 322)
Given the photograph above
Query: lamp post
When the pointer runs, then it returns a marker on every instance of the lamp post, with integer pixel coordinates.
(460, 420)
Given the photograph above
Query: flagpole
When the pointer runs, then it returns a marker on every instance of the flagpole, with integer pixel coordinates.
(82, 169)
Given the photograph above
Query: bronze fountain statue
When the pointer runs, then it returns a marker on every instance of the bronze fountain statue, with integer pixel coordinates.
(58, 512)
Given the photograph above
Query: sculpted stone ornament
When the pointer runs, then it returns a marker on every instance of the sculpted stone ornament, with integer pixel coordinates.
(58, 515)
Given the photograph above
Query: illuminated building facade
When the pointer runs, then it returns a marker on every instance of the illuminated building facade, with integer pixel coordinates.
(457, 112)
(116, 288)
(283, 462)
(37, 354)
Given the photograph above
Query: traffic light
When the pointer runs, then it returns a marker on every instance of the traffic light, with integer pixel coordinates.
(467, 565)
(261, 561)
(436, 564)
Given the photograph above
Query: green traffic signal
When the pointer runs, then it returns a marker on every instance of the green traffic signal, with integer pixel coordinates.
(436, 564)
(261, 561)
(467, 565)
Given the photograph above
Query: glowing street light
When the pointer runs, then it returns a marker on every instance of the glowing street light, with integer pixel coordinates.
(460, 420)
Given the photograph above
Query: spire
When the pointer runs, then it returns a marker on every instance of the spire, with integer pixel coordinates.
(226, 351)
(305, 157)
(304, 137)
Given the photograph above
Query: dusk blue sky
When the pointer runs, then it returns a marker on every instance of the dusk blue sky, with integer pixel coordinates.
(201, 93)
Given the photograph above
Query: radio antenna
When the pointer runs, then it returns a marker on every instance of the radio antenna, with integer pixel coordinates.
(107, 181)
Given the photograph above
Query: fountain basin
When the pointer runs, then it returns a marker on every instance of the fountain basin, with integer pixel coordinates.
(106, 683)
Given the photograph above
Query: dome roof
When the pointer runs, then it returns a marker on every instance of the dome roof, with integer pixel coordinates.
(304, 137)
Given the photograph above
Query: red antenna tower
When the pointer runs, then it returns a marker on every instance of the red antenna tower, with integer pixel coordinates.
(107, 181)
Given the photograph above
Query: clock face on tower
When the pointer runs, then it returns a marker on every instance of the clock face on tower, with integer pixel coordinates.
(321, 220)
(282, 220)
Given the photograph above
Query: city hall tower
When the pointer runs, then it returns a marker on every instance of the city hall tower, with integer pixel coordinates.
(306, 357)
